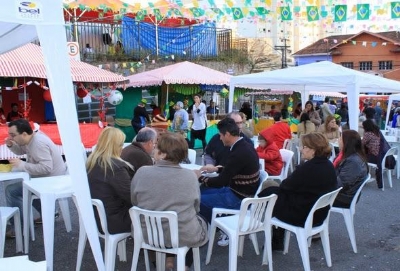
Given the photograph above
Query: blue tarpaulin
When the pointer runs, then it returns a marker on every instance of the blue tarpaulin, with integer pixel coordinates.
(186, 41)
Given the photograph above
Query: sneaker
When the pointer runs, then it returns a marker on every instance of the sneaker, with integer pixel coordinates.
(223, 240)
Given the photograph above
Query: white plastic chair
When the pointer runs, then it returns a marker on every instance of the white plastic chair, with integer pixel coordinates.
(287, 161)
(287, 144)
(5, 214)
(262, 163)
(391, 151)
(192, 156)
(111, 240)
(254, 216)
(153, 221)
(333, 154)
(348, 214)
(306, 232)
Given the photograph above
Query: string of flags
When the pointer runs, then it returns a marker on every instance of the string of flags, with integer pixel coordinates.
(363, 43)
(16, 87)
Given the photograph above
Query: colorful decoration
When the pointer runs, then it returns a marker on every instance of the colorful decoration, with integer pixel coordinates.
(26, 108)
(224, 93)
(47, 95)
(115, 97)
(290, 105)
(81, 93)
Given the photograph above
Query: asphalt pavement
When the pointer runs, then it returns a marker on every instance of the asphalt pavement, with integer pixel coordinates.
(377, 227)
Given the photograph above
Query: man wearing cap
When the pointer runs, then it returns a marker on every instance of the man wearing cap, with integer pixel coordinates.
(181, 118)
(140, 116)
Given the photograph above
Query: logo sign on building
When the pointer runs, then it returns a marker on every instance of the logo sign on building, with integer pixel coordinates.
(73, 50)
(29, 10)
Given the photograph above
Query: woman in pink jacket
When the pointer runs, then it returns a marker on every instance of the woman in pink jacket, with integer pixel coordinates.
(268, 151)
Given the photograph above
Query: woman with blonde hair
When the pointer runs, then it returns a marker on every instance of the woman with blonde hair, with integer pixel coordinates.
(330, 128)
(110, 180)
(167, 186)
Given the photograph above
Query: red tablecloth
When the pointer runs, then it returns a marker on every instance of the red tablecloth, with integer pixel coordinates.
(89, 133)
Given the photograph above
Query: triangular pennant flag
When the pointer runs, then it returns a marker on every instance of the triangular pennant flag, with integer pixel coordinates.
(237, 13)
(312, 13)
(286, 13)
(395, 10)
(340, 13)
(197, 12)
(362, 11)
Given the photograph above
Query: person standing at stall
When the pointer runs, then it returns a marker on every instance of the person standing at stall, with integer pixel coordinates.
(140, 116)
(14, 114)
(199, 125)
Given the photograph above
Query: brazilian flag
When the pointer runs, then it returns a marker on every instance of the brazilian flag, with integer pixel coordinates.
(286, 13)
(140, 15)
(362, 11)
(237, 13)
(158, 14)
(395, 10)
(340, 13)
(262, 11)
(197, 12)
(312, 13)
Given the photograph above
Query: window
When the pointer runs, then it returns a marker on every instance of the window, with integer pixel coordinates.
(385, 65)
(365, 65)
(347, 65)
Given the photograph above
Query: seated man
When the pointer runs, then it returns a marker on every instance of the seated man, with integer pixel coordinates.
(216, 153)
(237, 180)
(279, 130)
(139, 153)
(43, 158)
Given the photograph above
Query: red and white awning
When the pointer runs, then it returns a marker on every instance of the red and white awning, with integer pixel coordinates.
(28, 61)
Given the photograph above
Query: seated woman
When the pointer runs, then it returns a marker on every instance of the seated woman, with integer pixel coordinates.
(298, 192)
(330, 129)
(371, 142)
(268, 151)
(305, 126)
(351, 167)
(110, 180)
(312, 113)
(168, 187)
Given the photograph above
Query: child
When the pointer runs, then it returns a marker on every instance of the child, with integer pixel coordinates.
(268, 151)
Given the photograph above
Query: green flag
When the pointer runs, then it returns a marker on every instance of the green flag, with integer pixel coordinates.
(176, 11)
(286, 13)
(157, 14)
(237, 13)
(362, 11)
(262, 11)
(340, 13)
(197, 12)
(395, 10)
(140, 15)
(312, 13)
(218, 11)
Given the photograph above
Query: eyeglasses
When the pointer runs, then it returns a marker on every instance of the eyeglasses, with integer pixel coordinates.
(13, 135)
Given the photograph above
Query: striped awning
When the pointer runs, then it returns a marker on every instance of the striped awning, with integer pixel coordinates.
(28, 61)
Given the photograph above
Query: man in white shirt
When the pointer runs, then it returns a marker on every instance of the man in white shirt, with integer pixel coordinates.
(199, 125)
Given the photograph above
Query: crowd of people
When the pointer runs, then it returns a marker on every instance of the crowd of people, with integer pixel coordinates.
(147, 173)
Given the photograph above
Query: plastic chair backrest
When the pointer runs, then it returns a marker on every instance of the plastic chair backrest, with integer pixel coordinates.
(263, 178)
(126, 144)
(355, 198)
(101, 211)
(287, 156)
(391, 151)
(255, 211)
(153, 221)
(323, 201)
(287, 144)
(333, 154)
(262, 163)
(192, 156)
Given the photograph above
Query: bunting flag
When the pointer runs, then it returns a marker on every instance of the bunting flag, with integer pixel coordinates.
(262, 11)
(140, 15)
(256, 113)
(166, 110)
(395, 10)
(312, 13)
(176, 11)
(157, 14)
(218, 11)
(340, 13)
(237, 13)
(197, 12)
(286, 13)
(362, 11)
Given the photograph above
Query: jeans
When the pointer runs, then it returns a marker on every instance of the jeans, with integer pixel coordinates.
(14, 198)
(219, 198)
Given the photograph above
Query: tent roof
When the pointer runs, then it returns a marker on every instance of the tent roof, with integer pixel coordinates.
(289, 92)
(28, 61)
(319, 76)
(179, 73)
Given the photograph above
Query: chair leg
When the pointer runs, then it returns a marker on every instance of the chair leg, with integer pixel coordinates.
(136, 252)
(196, 258)
(325, 244)
(389, 175)
(3, 235)
(303, 247)
(210, 242)
(267, 253)
(253, 238)
(18, 231)
(160, 261)
(146, 259)
(110, 253)
(121, 250)
(180, 262)
(63, 203)
(81, 245)
(233, 248)
(241, 245)
(286, 242)
(348, 220)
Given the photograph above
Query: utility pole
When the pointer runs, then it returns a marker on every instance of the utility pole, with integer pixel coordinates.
(283, 49)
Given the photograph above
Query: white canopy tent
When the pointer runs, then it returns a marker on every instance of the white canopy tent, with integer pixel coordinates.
(320, 76)
(20, 23)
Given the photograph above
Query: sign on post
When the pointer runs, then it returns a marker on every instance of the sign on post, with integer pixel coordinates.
(73, 50)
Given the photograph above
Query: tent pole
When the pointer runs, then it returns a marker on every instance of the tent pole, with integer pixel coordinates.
(156, 25)
(74, 21)
(252, 105)
(24, 94)
(166, 97)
